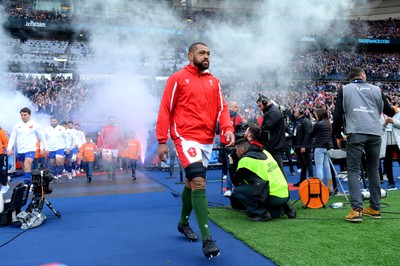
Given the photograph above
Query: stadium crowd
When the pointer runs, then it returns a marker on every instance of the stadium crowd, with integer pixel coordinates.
(56, 97)
(360, 28)
(59, 96)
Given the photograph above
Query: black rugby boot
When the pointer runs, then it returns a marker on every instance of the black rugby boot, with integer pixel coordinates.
(186, 230)
(210, 250)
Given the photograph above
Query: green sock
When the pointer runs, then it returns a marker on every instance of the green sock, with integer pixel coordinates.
(186, 205)
(200, 207)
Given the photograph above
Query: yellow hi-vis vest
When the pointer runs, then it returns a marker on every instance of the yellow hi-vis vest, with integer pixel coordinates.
(267, 170)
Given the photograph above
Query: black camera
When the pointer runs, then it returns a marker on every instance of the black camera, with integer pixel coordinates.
(240, 129)
(41, 178)
(230, 150)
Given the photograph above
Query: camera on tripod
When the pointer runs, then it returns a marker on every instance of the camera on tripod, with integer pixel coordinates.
(33, 216)
(41, 178)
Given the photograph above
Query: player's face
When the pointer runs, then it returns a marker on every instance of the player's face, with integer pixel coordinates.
(70, 125)
(112, 121)
(260, 106)
(25, 117)
(53, 122)
(200, 57)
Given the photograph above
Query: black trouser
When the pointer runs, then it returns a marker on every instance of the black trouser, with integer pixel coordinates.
(243, 199)
(3, 177)
(223, 156)
(305, 162)
(278, 158)
(388, 162)
(289, 158)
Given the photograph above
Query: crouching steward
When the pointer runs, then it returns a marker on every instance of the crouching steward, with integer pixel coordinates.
(261, 188)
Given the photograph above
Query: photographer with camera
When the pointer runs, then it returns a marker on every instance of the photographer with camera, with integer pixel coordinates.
(261, 188)
(223, 153)
(273, 129)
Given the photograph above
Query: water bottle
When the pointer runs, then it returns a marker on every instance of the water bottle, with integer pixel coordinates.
(337, 205)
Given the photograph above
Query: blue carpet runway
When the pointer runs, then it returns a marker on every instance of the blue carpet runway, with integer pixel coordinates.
(123, 222)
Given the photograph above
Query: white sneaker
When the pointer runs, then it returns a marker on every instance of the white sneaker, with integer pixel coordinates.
(73, 173)
(4, 189)
(228, 193)
(69, 176)
(298, 170)
(224, 177)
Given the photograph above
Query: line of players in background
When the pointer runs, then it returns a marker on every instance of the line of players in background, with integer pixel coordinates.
(65, 149)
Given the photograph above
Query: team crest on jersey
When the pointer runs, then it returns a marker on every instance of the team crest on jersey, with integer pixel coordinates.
(211, 82)
(192, 152)
(187, 81)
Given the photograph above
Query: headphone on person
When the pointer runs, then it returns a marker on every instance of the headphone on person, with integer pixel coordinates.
(263, 99)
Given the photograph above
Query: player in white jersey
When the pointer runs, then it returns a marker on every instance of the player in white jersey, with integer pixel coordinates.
(25, 134)
(57, 140)
(82, 139)
(73, 142)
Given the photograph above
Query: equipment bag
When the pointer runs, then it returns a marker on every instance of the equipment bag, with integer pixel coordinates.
(31, 219)
(313, 193)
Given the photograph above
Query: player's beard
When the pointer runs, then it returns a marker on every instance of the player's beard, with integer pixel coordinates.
(203, 65)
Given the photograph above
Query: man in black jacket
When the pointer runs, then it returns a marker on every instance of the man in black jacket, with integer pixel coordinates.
(302, 142)
(273, 129)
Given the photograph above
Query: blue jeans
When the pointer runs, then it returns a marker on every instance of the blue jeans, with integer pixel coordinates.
(356, 145)
(133, 166)
(88, 168)
(322, 162)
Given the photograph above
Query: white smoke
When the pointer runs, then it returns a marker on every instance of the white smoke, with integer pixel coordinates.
(11, 101)
(271, 38)
(129, 36)
(130, 52)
